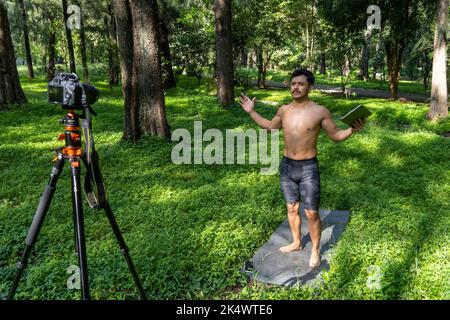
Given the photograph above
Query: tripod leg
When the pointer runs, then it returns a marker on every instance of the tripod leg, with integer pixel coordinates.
(75, 236)
(38, 220)
(79, 228)
(124, 250)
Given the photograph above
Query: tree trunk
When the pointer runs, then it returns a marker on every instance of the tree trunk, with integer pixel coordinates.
(51, 54)
(347, 67)
(312, 62)
(224, 52)
(364, 65)
(260, 65)
(10, 89)
(44, 61)
(124, 23)
(167, 70)
(83, 46)
(266, 63)
(251, 59)
(394, 51)
(307, 45)
(69, 38)
(264, 74)
(92, 53)
(26, 40)
(140, 64)
(345, 73)
(427, 65)
(323, 66)
(365, 55)
(375, 65)
(244, 57)
(111, 39)
(438, 103)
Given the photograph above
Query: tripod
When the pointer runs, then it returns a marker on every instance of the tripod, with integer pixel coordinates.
(73, 153)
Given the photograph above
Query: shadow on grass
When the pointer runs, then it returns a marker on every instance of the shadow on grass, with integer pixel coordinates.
(405, 213)
(427, 219)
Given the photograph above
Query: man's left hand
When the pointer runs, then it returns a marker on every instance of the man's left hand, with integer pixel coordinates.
(358, 125)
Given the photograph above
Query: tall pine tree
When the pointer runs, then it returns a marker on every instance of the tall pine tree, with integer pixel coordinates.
(137, 25)
(10, 89)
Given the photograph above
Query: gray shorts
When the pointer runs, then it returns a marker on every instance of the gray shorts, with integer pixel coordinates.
(300, 178)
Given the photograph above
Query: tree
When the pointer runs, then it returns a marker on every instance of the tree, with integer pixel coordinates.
(166, 13)
(310, 30)
(378, 60)
(83, 45)
(342, 52)
(224, 52)
(140, 64)
(26, 40)
(192, 40)
(51, 52)
(10, 89)
(69, 38)
(111, 40)
(419, 52)
(38, 24)
(52, 15)
(323, 65)
(268, 36)
(400, 20)
(365, 55)
(438, 103)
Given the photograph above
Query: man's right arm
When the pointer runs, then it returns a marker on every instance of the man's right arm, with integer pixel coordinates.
(249, 107)
(264, 123)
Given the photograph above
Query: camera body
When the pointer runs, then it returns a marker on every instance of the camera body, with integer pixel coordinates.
(65, 89)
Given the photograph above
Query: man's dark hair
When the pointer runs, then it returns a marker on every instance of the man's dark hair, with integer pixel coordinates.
(305, 72)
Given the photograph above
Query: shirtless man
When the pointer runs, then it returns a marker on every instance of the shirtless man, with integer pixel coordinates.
(301, 121)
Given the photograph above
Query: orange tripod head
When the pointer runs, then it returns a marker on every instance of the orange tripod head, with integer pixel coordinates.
(71, 136)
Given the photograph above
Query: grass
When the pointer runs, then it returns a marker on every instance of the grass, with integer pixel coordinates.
(190, 227)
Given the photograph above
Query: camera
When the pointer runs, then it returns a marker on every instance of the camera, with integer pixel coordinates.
(66, 89)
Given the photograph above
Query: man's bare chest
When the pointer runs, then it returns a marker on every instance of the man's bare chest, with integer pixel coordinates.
(301, 122)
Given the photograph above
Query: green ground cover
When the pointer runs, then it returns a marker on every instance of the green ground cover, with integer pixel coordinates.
(191, 227)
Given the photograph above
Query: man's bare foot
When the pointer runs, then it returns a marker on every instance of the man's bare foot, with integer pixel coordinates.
(314, 261)
(291, 247)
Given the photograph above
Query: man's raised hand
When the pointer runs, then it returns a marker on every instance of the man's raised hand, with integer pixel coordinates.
(247, 104)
